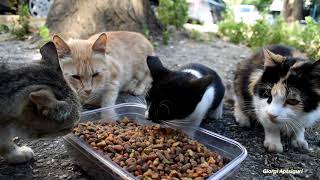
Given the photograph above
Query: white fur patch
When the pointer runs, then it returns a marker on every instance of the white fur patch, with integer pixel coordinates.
(195, 118)
(193, 121)
(193, 72)
(312, 117)
(20, 155)
(203, 106)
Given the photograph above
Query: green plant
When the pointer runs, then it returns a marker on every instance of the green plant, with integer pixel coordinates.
(13, 4)
(166, 37)
(4, 28)
(235, 31)
(146, 30)
(44, 33)
(259, 33)
(23, 27)
(196, 35)
(303, 37)
(172, 13)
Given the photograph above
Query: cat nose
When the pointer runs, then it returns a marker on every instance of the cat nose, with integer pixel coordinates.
(272, 117)
(88, 91)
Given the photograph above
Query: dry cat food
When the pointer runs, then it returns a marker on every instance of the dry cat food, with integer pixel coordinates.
(151, 151)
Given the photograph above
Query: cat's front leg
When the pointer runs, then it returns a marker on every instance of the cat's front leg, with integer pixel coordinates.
(109, 99)
(298, 140)
(240, 116)
(272, 139)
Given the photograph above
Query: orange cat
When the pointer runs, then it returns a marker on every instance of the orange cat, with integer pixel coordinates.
(105, 64)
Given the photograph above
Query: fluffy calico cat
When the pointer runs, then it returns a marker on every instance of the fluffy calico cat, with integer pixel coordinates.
(282, 91)
(184, 97)
(35, 100)
(105, 64)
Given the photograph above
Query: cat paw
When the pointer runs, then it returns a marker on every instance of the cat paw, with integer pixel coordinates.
(301, 144)
(273, 147)
(138, 92)
(20, 155)
(217, 113)
(242, 120)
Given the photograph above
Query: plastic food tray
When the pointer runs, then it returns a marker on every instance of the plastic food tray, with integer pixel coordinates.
(100, 166)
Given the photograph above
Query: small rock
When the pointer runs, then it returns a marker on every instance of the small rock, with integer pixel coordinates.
(65, 164)
(65, 176)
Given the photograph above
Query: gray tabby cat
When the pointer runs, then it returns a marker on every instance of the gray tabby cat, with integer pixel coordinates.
(35, 100)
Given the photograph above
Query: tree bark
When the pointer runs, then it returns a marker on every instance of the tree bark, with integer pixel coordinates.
(293, 10)
(82, 18)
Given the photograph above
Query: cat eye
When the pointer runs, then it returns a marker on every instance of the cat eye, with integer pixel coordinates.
(292, 102)
(76, 77)
(264, 94)
(95, 74)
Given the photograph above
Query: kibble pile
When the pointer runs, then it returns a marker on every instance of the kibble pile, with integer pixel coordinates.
(151, 152)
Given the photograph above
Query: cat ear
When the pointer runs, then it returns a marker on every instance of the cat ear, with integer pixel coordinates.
(100, 45)
(271, 59)
(202, 83)
(155, 66)
(50, 56)
(62, 47)
(43, 98)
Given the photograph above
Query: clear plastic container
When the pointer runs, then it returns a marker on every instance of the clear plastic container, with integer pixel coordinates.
(99, 166)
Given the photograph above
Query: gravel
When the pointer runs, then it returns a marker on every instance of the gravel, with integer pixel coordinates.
(51, 159)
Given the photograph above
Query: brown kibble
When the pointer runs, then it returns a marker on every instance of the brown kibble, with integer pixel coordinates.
(186, 166)
(175, 144)
(148, 173)
(156, 162)
(181, 157)
(160, 167)
(155, 176)
(151, 152)
(152, 156)
(102, 144)
(117, 147)
(93, 144)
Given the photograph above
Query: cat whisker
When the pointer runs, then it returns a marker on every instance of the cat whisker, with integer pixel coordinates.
(295, 122)
(292, 128)
(141, 100)
(147, 94)
(93, 97)
(286, 127)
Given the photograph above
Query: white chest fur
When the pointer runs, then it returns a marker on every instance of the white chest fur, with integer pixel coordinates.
(194, 119)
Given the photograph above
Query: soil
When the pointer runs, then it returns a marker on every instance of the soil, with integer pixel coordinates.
(51, 159)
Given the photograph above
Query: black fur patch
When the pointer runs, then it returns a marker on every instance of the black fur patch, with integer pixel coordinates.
(306, 79)
(175, 94)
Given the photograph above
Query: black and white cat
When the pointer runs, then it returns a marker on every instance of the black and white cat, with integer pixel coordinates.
(184, 97)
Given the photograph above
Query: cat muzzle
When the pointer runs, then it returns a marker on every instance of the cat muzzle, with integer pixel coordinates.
(273, 118)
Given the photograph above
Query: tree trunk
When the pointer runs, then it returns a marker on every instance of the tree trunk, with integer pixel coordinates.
(82, 18)
(292, 10)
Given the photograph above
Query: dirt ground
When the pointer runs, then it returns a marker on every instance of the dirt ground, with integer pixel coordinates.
(52, 161)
